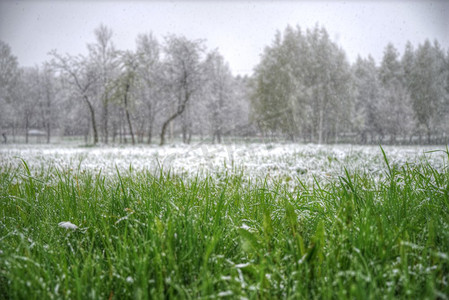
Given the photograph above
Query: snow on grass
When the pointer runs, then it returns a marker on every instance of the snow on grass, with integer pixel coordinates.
(285, 161)
(67, 225)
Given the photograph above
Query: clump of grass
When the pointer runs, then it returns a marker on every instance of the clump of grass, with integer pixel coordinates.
(140, 235)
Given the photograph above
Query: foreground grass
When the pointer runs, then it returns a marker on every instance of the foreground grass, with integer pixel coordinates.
(145, 236)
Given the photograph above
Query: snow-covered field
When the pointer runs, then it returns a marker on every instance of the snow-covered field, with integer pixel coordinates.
(286, 161)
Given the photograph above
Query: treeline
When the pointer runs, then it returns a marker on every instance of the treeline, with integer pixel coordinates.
(303, 89)
(173, 88)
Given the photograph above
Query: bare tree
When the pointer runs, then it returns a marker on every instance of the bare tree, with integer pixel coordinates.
(9, 76)
(46, 85)
(104, 58)
(219, 94)
(81, 77)
(183, 74)
(149, 81)
(126, 84)
(28, 98)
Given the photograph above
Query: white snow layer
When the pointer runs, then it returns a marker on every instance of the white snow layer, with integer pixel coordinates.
(257, 161)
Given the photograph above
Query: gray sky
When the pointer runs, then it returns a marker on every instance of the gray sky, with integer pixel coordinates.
(239, 29)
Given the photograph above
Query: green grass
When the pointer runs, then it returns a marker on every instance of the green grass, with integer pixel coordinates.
(144, 236)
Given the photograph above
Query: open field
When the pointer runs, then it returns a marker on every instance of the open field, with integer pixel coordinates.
(286, 162)
(233, 221)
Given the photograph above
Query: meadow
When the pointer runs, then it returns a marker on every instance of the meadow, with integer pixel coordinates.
(250, 221)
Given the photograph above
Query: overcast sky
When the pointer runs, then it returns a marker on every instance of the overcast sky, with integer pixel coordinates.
(239, 29)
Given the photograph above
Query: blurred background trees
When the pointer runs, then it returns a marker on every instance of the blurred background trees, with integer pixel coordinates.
(303, 89)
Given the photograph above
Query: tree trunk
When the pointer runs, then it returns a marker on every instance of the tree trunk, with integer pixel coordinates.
(320, 127)
(150, 132)
(105, 121)
(165, 125)
(26, 128)
(14, 131)
(180, 110)
(189, 138)
(128, 119)
(164, 128)
(171, 135)
(184, 133)
(181, 107)
(150, 122)
(114, 132)
(48, 132)
(86, 132)
(120, 129)
(219, 136)
(47, 115)
(429, 134)
(92, 118)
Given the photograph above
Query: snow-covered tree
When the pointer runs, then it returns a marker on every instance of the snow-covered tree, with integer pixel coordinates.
(427, 87)
(125, 87)
(396, 111)
(303, 86)
(47, 89)
(150, 84)
(330, 84)
(104, 58)
(183, 72)
(218, 95)
(277, 103)
(368, 99)
(9, 75)
(80, 75)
